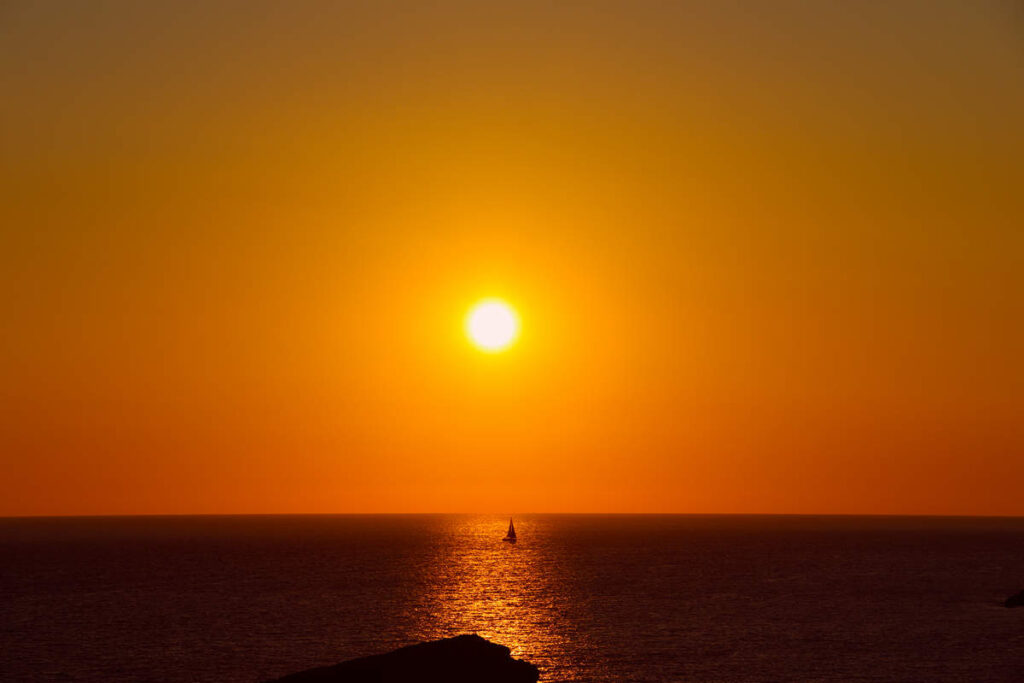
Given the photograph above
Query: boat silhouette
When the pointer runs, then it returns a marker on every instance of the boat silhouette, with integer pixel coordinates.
(510, 537)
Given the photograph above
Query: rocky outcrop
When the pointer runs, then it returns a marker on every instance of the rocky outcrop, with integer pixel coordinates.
(1015, 600)
(463, 659)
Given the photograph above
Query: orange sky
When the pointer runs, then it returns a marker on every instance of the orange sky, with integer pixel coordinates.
(768, 257)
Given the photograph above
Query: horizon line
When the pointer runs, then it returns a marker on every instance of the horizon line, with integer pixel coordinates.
(504, 514)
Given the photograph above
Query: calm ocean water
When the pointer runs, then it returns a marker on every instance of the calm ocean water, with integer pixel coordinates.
(586, 598)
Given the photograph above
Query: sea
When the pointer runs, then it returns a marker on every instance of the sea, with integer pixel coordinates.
(601, 598)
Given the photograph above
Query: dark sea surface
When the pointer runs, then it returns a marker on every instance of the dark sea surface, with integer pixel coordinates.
(586, 598)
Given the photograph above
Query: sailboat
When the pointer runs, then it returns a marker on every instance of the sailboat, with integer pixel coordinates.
(510, 537)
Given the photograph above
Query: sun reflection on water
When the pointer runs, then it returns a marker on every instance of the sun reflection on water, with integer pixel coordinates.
(512, 594)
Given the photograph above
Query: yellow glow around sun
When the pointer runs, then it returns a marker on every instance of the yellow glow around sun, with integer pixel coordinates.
(492, 325)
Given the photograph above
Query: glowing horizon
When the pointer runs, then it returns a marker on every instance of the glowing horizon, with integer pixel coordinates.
(765, 258)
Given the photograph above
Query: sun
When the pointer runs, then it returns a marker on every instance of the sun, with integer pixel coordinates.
(492, 325)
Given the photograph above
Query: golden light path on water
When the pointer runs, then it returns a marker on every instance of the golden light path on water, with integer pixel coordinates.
(512, 594)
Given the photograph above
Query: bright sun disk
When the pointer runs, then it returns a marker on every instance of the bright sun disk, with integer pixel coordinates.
(492, 325)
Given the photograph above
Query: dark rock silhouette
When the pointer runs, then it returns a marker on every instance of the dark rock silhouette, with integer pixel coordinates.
(1015, 600)
(463, 659)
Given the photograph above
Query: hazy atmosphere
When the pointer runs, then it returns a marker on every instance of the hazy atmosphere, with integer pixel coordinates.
(759, 261)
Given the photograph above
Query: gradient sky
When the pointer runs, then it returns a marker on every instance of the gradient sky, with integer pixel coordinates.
(768, 256)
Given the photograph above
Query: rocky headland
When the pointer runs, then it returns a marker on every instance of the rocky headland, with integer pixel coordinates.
(463, 659)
